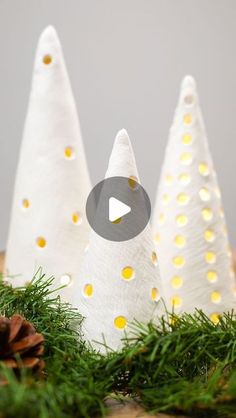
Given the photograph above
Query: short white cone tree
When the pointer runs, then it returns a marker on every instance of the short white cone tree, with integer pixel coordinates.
(119, 281)
(48, 225)
(189, 223)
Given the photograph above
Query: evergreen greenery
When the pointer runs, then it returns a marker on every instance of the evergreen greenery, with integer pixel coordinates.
(186, 367)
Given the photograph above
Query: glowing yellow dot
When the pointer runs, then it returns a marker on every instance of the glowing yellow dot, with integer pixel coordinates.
(69, 153)
(203, 169)
(178, 261)
(215, 317)
(209, 235)
(187, 119)
(76, 218)
(187, 139)
(88, 290)
(168, 179)
(157, 238)
(186, 158)
(25, 203)
(212, 276)
(210, 257)
(120, 322)
(41, 242)
(66, 280)
(184, 179)
(161, 219)
(183, 199)
(165, 199)
(176, 301)
(127, 273)
(181, 220)
(207, 214)
(154, 294)
(215, 297)
(47, 59)
(176, 282)
(204, 194)
(154, 258)
(133, 182)
(180, 241)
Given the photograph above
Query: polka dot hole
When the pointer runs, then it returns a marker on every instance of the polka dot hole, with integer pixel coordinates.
(212, 276)
(187, 119)
(120, 322)
(66, 280)
(69, 153)
(176, 301)
(165, 199)
(210, 257)
(168, 179)
(88, 290)
(215, 317)
(186, 158)
(154, 258)
(215, 297)
(133, 182)
(181, 220)
(178, 261)
(76, 218)
(209, 235)
(187, 139)
(47, 59)
(189, 99)
(204, 194)
(184, 179)
(25, 204)
(180, 241)
(183, 199)
(203, 169)
(176, 282)
(154, 294)
(127, 273)
(41, 242)
(207, 214)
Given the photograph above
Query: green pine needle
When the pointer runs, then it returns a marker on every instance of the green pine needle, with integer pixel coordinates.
(187, 367)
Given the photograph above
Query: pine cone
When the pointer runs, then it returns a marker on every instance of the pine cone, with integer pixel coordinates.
(20, 344)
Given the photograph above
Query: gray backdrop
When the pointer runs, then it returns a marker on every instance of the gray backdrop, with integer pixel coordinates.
(125, 59)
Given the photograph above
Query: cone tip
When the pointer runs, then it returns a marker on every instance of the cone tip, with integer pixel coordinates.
(48, 35)
(188, 82)
(122, 136)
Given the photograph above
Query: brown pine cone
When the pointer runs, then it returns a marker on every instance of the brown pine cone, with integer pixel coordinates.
(20, 344)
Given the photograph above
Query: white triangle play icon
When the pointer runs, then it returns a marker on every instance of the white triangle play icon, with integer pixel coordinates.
(117, 209)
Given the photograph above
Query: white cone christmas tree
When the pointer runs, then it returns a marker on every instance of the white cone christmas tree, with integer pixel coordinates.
(119, 281)
(189, 223)
(48, 225)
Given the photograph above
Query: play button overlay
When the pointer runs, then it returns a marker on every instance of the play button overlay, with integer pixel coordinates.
(118, 208)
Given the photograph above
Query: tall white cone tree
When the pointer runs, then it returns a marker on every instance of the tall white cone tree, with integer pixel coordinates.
(189, 223)
(119, 281)
(48, 224)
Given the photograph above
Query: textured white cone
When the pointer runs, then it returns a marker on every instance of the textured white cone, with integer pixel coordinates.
(188, 223)
(52, 181)
(119, 281)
